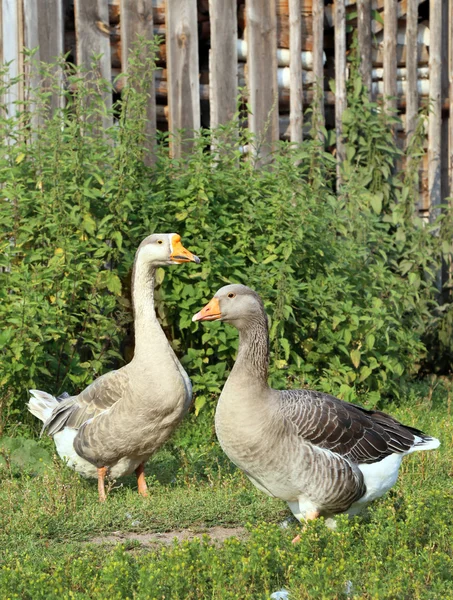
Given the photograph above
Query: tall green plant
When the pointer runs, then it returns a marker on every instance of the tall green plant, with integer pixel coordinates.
(346, 278)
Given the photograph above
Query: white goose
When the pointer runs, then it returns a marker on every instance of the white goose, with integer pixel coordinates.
(321, 455)
(114, 425)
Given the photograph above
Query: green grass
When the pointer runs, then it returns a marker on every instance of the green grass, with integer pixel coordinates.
(401, 548)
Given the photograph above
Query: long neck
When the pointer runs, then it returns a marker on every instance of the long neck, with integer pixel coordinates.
(145, 320)
(253, 354)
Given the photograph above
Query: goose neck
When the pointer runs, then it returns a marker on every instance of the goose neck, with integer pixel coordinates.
(253, 353)
(145, 319)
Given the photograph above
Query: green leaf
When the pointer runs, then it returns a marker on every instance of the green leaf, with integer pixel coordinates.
(200, 401)
(269, 259)
(286, 348)
(376, 203)
(369, 341)
(111, 281)
(118, 239)
(355, 357)
(365, 372)
(89, 224)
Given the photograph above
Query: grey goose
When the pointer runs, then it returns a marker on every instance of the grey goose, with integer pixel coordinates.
(113, 426)
(322, 455)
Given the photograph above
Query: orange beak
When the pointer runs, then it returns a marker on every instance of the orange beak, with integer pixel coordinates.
(211, 312)
(179, 253)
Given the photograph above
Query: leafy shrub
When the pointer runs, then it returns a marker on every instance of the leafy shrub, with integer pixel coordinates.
(347, 278)
(22, 455)
(356, 561)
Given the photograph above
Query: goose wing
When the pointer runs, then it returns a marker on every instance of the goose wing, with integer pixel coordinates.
(358, 434)
(98, 397)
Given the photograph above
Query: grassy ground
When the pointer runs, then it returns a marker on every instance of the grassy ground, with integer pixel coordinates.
(57, 541)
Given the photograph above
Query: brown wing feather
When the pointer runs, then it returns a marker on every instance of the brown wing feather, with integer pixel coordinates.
(361, 435)
(101, 395)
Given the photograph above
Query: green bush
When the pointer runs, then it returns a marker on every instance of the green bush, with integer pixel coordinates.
(347, 278)
(356, 561)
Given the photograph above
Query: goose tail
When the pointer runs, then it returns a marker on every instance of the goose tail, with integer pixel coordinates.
(41, 404)
(425, 442)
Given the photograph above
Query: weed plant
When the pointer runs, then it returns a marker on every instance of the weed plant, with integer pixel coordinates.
(347, 277)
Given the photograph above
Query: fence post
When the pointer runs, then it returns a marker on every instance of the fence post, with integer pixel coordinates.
(93, 38)
(296, 115)
(262, 72)
(137, 20)
(44, 30)
(223, 61)
(435, 116)
(390, 57)
(182, 68)
(11, 49)
(364, 35)
(340, 79)
(411, 67)
(448, 270)
(318, 63)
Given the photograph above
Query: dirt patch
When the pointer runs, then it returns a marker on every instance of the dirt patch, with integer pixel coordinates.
(217, 535)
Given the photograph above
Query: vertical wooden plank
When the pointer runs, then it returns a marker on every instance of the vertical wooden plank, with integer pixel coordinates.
(434, 122)
(223, 61)
(182, 66)
(448, 271)
(318, 61)
(295, 71)
(137, 20)
(364, 38)
(411, 66)
(390, 56)
(445, 83)
(340, 78)
(43, 29)
(262, 72)
(450, 76)
(1, 32)
(93, 39)
(11, 51)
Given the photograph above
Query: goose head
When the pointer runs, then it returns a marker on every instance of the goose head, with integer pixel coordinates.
(161, 249)
(235, 304)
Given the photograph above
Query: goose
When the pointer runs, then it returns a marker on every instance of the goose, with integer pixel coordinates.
(113, 426)
(321, 455)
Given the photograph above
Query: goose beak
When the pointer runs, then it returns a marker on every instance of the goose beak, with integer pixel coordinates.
(211, 312)
(179, 254)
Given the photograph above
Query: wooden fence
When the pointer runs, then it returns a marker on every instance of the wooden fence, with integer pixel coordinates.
(285, 51)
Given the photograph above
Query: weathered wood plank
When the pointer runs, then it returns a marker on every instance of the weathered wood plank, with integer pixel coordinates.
(182, 65)
(44, 30)
(2, 37)
(448, 270)
(435, 115)
(296, 115)
(364, 38)
(340, 78)
(390, 57)
(137, 20)
(318, 61)
(223, 61)
(262, 72)
(11, 51)
(411, 68)
(450, 76)
(93, 39)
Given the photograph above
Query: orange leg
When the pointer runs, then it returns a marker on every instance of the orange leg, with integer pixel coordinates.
(102, 472)
(310, 516)
(141, 481)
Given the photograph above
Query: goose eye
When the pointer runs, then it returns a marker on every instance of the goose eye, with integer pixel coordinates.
(231, 295)
(160, 241)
